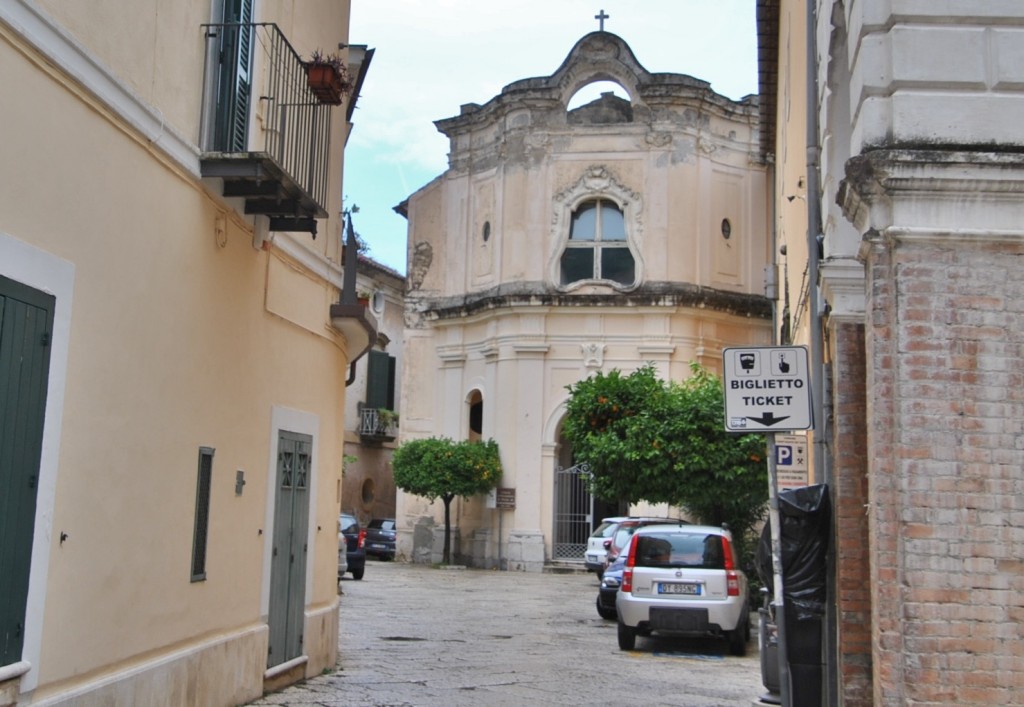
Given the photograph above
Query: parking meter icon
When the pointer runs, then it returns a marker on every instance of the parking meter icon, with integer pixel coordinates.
(748, 363)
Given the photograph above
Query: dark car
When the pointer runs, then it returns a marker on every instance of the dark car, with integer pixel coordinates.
(351, 539)
(380, 538)
(609, 588)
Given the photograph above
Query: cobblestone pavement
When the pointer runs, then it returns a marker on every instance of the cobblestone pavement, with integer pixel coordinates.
(418, 635)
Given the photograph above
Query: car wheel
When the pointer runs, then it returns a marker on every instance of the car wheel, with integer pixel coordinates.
(604, 612)
(738, 639)
(358, 574)
(627, 637)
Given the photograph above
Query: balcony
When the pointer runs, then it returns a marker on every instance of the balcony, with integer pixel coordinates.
(279, 168)
(377, 425)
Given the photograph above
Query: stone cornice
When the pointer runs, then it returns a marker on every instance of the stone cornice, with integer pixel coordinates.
(930, 191)
(842, 286)
(658, 295)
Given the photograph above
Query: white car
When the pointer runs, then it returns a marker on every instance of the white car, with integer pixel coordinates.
(596, 557)
(683, 580)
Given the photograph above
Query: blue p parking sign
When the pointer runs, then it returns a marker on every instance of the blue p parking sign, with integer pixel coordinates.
(783, 455)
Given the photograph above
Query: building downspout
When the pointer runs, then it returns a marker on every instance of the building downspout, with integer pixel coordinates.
(815, 249)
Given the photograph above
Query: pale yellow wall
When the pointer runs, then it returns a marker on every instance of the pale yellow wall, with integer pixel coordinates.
(791, 166)
(182, 335)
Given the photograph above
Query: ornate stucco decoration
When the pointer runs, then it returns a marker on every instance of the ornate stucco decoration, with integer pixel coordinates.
(422, 256)
(596, 181)
(593, 355)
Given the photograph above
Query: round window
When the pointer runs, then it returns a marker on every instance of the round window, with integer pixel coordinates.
(726, 229)
(368, 491)
(487, 231)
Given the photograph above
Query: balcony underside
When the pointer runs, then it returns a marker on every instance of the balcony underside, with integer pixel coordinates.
(267, 189)
(356, 325)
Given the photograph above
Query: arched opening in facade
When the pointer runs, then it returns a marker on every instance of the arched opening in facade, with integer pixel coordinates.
(577, 512)
(599, 103)
(476, 416)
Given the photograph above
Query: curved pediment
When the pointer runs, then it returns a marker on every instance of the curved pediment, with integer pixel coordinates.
(598, 56)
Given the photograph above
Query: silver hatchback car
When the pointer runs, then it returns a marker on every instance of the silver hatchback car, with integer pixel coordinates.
(683, 580)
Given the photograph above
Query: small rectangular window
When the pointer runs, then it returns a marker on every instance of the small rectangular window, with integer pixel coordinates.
(202, 521)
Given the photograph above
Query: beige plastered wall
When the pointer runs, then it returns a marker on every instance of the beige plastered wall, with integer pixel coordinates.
(182, 336)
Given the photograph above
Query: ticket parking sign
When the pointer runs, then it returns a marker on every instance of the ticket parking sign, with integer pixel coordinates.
(767, 389)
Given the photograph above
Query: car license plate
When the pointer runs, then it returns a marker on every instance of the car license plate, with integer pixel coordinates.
(691, 588)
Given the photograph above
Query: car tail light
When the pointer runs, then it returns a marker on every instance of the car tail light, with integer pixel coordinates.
(362, 538)
(627, 571)
(732, 582)
(730, 563)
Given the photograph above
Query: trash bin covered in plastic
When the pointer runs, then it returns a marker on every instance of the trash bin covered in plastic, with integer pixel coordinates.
(805, 517)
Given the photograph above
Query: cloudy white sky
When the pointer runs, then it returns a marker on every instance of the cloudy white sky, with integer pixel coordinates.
(431, 56)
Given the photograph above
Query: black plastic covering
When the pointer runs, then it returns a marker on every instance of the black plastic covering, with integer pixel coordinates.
(805, 515)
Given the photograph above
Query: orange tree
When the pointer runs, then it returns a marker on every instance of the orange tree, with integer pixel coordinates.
(645, 439)
(438, 467)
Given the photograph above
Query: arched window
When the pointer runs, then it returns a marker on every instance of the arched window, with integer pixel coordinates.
(597, 248)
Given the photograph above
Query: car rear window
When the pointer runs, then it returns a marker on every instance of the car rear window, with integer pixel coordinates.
(382, 524)
(604, 530)
(680, 550)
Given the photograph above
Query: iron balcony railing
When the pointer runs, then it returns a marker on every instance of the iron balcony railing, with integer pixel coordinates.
(252, 70)
(377, 423)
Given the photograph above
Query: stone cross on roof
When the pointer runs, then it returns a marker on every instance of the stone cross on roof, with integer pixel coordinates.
(601, 17)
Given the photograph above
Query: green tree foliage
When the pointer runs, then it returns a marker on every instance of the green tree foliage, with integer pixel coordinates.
(665, 442)
(438, 467)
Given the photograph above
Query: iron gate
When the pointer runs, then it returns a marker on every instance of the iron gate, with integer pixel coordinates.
(572, 513)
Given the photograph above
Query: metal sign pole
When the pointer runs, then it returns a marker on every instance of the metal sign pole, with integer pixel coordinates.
(777, 602)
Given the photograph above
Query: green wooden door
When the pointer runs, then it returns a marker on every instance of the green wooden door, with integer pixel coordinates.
(288, 559)
(26, 323)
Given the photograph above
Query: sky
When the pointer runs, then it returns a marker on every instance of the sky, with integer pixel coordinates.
(432, 56)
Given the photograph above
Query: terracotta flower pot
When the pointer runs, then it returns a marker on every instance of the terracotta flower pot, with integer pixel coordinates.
(325, 83)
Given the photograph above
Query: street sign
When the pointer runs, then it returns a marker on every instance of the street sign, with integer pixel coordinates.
(791, 461)
(767, 388)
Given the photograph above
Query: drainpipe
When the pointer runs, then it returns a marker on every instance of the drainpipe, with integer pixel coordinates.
(815, 245)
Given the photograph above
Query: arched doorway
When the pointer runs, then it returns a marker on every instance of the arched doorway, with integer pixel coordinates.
(577, 513)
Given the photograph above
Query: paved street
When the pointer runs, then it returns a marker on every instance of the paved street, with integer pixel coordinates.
(416, 635)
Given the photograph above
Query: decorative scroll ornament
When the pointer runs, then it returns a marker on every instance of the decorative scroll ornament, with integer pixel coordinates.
(593, 355)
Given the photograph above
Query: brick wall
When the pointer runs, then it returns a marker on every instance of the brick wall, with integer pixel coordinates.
(945, 343)
(850, 491)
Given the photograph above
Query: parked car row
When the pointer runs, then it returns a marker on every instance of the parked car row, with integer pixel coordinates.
(674, 578)
(355, 543)
(608, 539)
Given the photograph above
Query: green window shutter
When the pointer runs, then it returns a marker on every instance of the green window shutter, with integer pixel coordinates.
(26, 323)
(380, 380)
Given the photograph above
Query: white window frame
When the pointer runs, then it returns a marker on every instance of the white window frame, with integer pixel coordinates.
(597, 182)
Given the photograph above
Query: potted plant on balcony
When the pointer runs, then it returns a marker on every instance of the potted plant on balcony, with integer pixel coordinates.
(327, 77)
(386, 419)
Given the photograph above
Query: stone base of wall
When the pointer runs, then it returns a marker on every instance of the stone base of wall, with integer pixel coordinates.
(483, 550)
(320, 641)
(525, 551)
(428, 543)
(227, 671)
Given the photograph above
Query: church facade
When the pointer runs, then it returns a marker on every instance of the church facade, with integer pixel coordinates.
(560, 243)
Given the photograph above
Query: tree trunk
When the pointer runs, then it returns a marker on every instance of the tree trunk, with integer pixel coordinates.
(446, 557)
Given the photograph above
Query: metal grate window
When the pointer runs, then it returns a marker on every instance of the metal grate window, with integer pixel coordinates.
(202, 514)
